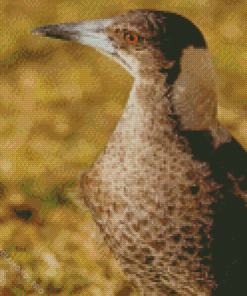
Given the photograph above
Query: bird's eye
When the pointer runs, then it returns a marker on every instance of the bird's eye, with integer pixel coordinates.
(131, 37)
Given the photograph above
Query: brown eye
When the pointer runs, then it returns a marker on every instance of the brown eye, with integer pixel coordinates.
(131, 37)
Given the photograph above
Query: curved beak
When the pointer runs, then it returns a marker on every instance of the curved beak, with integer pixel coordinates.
(88, 32)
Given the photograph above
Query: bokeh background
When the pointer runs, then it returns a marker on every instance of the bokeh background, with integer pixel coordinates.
(60, 101)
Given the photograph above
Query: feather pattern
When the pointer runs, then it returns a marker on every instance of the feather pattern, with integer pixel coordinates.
(169, 190)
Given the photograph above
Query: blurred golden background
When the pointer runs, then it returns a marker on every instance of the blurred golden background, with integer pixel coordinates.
(60, 101)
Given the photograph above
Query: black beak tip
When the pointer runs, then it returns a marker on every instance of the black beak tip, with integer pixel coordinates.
(38, 31)
(52, 31)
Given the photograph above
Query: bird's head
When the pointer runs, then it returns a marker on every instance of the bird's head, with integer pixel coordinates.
(142, 41)
(155, 47)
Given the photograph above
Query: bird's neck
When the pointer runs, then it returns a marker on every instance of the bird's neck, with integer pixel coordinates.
(148, 121)
(146, 112)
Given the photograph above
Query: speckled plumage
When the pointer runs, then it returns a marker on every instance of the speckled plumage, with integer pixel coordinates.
(139, 191)
(164, 187)
(151, 199)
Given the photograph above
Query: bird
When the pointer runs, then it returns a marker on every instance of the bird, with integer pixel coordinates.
(168, 192)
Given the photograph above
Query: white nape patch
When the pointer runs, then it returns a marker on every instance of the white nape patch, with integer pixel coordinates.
(195, 91)
(220, 135)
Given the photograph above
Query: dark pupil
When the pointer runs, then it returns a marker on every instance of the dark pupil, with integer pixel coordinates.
(131, 37)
